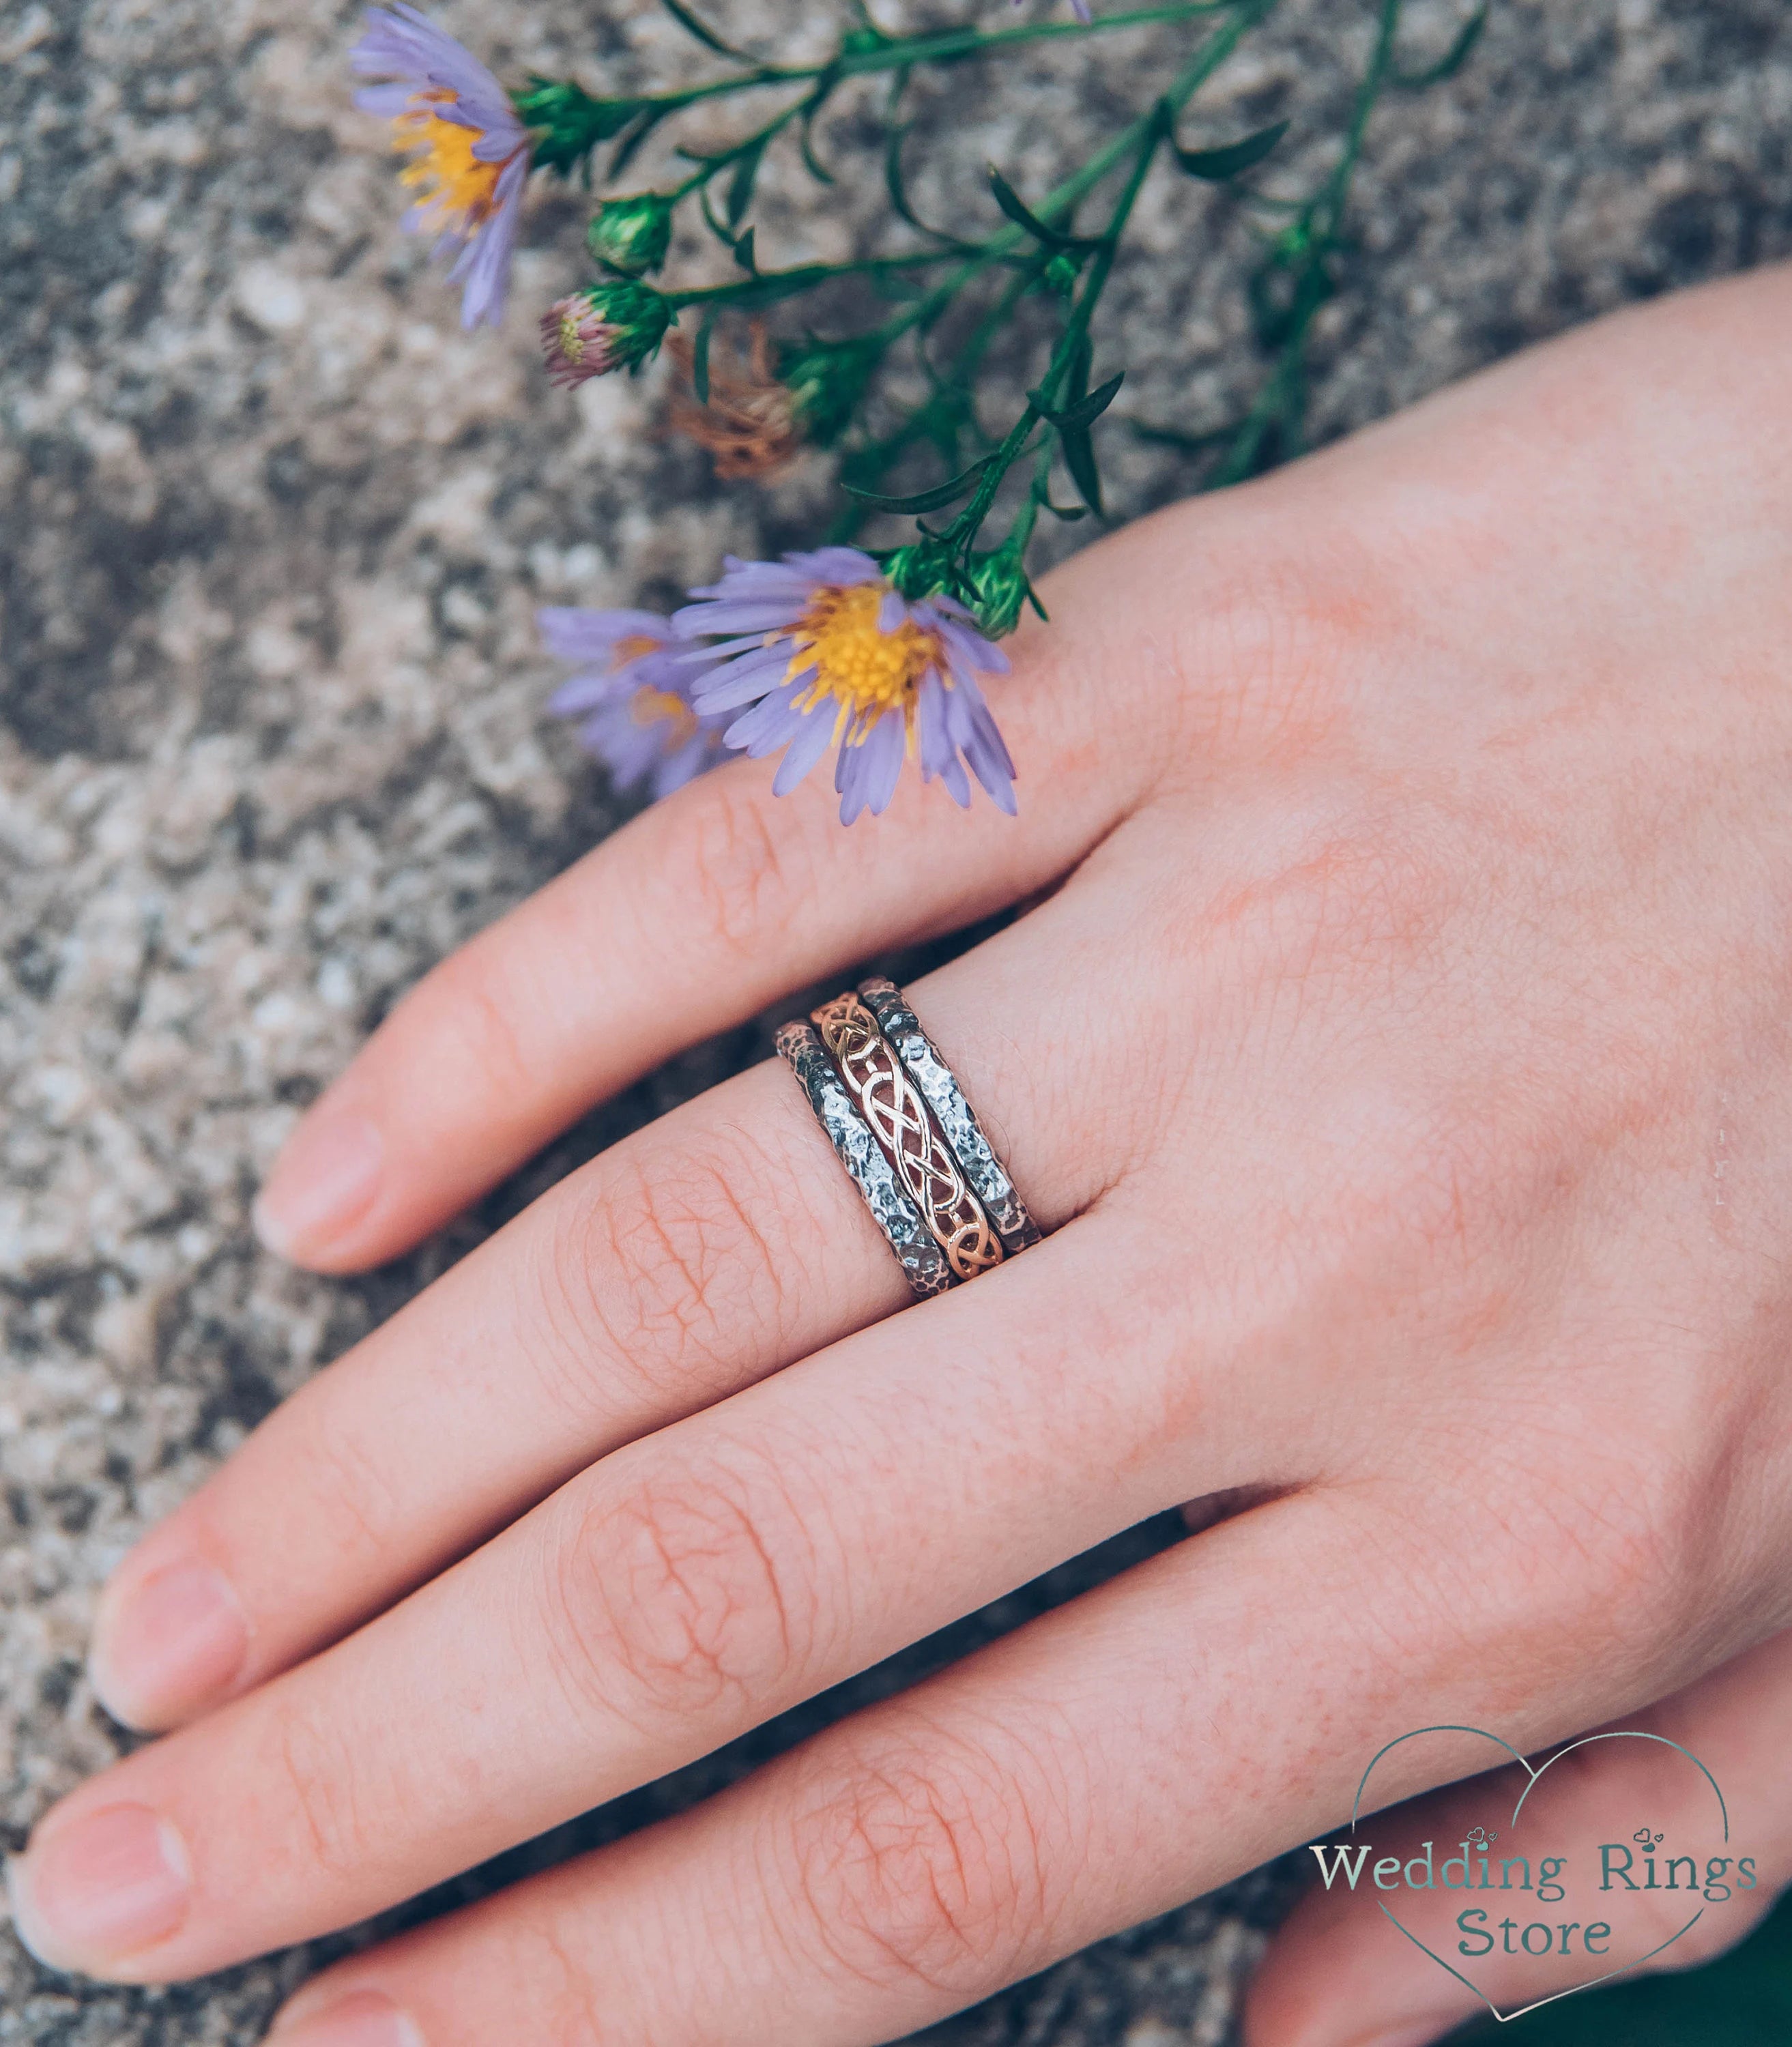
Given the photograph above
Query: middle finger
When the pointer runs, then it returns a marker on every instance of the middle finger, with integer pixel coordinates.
(719, 1244)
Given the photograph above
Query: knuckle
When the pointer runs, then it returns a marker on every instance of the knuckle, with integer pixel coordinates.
(325, 1780)
(350, 1491)
(1266, 652)
(658, 1264)
(923, 1866)
(1359, 905)
(689, 1592)
(476, 1022)
(742, 866)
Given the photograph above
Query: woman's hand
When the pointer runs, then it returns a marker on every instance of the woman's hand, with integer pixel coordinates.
(1403, 1071)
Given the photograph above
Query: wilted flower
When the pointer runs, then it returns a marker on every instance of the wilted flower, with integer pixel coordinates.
(632, 233)
(748, 423)
(631, 695)
(824, 650)
(470, 152)
(614, 325)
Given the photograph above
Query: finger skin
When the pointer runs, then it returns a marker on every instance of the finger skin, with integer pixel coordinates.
(1338, 1974)
(720, 1244)
(1152, 1739)
(686, 1589)
(690, 920)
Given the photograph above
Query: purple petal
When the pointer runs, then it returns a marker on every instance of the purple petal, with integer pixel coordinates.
(583, 693)
(576, 633)
(737, 682)
(388, 101)
(683, 765)
(769, 724)
(962, 644)
(804, 751)
(933, 725)
(955, 782)
(844, 566)
(866, 774)
(758, 582)
(626, 747)
(719, 615)
(488, 275)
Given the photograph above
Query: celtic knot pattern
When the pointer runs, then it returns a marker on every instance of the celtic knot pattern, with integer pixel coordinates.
(898, 1115)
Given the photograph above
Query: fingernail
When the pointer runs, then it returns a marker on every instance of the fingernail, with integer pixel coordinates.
(100, 1888)
(165, 1646)
(321, 1183)
(366, 2019)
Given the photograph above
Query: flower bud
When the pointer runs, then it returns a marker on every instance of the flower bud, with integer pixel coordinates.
(1001, 588)
(615, 325)
(566, 122)
(631, 233)
(921, 568)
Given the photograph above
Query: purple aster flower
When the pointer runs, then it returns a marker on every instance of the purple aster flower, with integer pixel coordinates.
(632, 694)
(819, 648)
(469, 152)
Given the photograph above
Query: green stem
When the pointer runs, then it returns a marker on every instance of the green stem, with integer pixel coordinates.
(964, 528)
(947, 46)
(1277, 414)
(1063, 199)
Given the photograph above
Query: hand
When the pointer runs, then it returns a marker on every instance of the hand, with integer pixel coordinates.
(1402, 1070)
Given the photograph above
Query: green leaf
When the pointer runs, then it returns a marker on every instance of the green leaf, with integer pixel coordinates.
(1178, 437)
(741, 185)
(960, 486)
(1452, 60)
(893, 140)
(706, 35)
(743, 253)
(1079, 458)
(1018, 211)
(1085, 410)
(817, 170)
(700, 361)
(1228, 161)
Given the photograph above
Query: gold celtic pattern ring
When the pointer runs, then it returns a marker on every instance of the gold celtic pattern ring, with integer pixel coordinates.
(899, 1117)
(957, 1119)
(905, 1230)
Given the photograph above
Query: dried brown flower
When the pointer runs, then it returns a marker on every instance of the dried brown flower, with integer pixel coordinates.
(749, 424)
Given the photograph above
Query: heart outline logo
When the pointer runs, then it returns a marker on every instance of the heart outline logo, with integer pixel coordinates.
(1534, 1775)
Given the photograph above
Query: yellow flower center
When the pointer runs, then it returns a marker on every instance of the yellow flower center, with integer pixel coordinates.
(649, 706)
(866, 670)
(631, 647)
(456, 190)
(570, 341)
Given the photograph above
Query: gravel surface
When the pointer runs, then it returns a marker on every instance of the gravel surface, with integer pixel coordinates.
(272, 530)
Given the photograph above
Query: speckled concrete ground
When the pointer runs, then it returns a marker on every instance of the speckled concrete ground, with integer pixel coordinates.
(271, 532)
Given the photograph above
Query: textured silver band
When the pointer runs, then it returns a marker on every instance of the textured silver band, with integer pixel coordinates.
(923, 1262)
(983, 1170)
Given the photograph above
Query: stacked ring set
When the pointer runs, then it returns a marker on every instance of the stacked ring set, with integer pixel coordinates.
(901, 1123)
